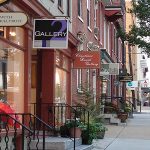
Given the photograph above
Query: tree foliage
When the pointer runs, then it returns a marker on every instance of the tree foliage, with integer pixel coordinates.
(139, 33)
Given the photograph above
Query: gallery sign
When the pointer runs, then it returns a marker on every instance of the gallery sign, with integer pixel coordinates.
(87, 60)
(50, 33)
(13, 19)
(109, 69)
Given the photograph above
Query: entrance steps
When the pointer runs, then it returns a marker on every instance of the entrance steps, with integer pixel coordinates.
(59, 143)
(111, 119)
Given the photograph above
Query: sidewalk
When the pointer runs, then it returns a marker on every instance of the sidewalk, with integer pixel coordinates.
(135, 135)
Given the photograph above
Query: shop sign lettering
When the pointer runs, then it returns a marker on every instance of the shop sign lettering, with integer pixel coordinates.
(87, 59)
(109, 69)
(13, 19)
(50, 33)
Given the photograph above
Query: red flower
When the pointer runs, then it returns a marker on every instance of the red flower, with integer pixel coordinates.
(6, 109)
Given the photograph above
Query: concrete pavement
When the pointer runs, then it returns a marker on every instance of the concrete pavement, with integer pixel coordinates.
(135, 135)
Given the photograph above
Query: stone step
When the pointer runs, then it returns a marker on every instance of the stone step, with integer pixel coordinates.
(111, 119)
(115, 121)
(83, 147)
(56, 143)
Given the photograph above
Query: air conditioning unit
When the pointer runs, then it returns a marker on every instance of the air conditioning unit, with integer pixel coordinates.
(96, 31)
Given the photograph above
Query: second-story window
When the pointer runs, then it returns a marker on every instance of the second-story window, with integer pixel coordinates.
(79, 80)
(60, 4)
(68, 8)
(88, 13)
(80, 8)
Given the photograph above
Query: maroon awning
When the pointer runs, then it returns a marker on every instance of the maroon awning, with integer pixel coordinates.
(113, 12)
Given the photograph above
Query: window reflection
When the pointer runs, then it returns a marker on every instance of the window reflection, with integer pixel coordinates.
(16, 35)
(60, 86)
(12, 77)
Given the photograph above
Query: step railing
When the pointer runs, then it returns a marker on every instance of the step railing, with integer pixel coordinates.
(118, 104)
(59, 113)
(16, 128)
(112, 104)
(25, 122)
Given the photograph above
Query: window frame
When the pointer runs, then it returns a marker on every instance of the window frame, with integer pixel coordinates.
(88, 13)
(80, 8)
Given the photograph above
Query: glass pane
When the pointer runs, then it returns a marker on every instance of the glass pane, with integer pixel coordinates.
(16, 35)
(65, 62)
(12, 77)
(57, 58)
(60, 86)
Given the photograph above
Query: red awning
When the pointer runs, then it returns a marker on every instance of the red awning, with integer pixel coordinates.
(110, 13)
(113, 13)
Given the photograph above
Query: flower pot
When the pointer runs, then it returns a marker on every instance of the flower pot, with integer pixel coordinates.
(123, 117)
(77, 132)
(100, 134)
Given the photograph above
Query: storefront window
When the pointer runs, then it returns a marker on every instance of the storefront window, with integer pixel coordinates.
(60, 86)
(16, 35)
(12, 76)
(65, 63)
(58, 58)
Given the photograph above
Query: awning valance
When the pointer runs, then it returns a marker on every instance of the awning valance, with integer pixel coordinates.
(113, 12)
(106, 57)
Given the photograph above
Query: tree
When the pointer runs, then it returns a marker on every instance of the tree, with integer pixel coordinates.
(139, 33)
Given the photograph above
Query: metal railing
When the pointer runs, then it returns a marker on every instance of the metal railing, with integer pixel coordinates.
(114, 104)
(57, 114)
(117, 104)
(27, 126)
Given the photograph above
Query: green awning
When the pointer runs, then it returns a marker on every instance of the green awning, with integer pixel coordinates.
(105, 56)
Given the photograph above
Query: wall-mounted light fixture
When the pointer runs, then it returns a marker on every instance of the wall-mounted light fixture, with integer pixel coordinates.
(81, 37)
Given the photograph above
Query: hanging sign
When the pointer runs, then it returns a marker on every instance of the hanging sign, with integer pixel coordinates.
(87, 60)
(145, 83)
(13, 19)
(50, 33)
(109, 69)
(132, 85)
(125, 78)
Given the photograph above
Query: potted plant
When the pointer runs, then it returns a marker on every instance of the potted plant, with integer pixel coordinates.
(122, 115)
(64, 131)
(89, 135)
(100, 130)
(75, 126)
(127, 109)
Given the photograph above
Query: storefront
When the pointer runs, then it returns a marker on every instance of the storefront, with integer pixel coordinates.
(32, 75)
(12, 44)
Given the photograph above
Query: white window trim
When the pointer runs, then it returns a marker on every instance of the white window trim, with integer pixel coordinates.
(88, 8)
